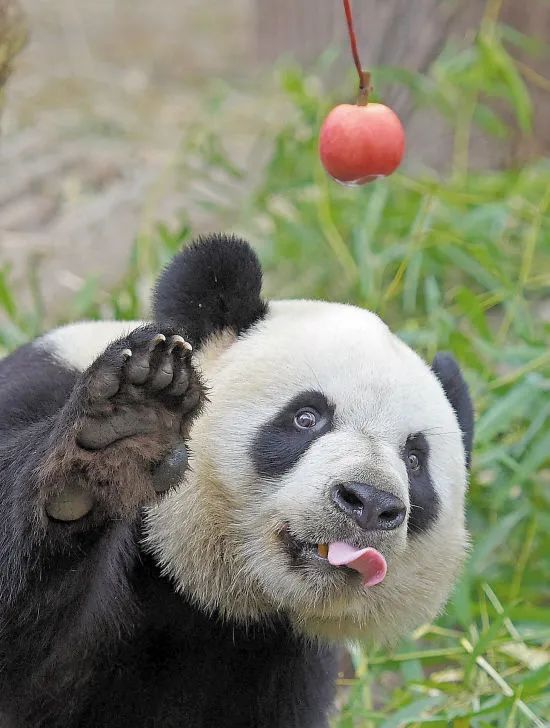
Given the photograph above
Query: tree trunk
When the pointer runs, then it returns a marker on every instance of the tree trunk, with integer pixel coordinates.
(533, 19)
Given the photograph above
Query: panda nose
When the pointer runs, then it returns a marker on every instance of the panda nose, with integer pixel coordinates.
(372, 509)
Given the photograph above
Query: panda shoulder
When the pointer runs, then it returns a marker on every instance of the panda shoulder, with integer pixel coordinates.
(37, 378)
(77, 345)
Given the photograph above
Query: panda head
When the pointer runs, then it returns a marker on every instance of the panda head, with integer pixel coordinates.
(323, 433)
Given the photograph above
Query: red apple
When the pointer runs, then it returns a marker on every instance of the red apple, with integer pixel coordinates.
(360, 143)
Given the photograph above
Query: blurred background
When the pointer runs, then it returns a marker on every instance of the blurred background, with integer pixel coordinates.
(128, 126)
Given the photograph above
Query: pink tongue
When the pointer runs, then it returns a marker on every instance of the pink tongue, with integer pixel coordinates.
(368, 562)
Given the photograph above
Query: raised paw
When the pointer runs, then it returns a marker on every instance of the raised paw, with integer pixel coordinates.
(142, 385)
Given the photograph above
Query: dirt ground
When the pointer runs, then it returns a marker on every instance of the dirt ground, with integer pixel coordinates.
(96, 111)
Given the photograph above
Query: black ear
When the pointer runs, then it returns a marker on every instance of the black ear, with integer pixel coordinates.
(213, 284)
(448, 372)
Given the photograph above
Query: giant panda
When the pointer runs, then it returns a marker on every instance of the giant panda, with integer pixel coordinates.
(196, 510)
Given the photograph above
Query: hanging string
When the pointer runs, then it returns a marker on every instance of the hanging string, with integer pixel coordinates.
(364, 76)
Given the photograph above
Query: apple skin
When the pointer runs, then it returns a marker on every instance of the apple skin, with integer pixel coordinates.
(360, 143)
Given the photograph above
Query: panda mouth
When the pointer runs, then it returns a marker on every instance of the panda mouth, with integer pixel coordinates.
(367, 561)
(298, 550)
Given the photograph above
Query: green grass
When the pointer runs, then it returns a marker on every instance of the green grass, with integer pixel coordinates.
(460, 263)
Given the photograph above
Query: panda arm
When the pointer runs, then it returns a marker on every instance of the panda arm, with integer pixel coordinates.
(78, 450)
(80, 453)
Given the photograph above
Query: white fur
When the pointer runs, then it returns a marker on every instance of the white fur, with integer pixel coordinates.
(217, 533)
(77, 345)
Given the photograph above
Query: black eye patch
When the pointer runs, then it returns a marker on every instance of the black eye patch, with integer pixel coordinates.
(279, 443)
(424, 499)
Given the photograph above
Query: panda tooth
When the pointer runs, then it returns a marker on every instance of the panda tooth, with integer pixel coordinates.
(322, 550)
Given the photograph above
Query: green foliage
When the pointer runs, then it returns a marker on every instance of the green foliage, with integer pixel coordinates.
(461, 264)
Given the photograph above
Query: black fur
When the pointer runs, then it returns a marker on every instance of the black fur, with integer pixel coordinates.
(448, 372)
(279, 445)
(91, 635)
(425, 502)
(184, 668)
(213, 284)
(33, 385)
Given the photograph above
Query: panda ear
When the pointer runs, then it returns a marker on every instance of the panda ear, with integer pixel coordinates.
(448, 372)
(212, 285)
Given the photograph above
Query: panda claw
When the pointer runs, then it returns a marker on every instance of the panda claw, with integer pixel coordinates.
(177, 342)
(141, 381)
(155, 341)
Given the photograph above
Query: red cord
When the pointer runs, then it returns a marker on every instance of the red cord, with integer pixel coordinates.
(364, 76)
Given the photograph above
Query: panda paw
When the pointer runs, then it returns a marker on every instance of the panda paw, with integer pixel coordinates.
(142, 386)
(120, 439)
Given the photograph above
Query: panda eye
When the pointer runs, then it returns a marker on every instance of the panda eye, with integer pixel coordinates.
(306, 418)
(414, 459)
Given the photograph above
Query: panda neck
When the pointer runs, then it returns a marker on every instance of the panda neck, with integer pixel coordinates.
(250, 668)
(162, 606)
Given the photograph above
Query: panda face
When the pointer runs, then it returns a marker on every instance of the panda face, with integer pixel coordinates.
(323, 433)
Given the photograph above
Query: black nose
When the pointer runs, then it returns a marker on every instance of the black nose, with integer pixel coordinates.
(371, 508)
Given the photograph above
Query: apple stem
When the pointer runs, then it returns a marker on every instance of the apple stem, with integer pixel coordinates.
(364, 76)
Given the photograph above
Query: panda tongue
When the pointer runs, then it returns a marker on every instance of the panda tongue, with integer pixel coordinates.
(368, 562)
